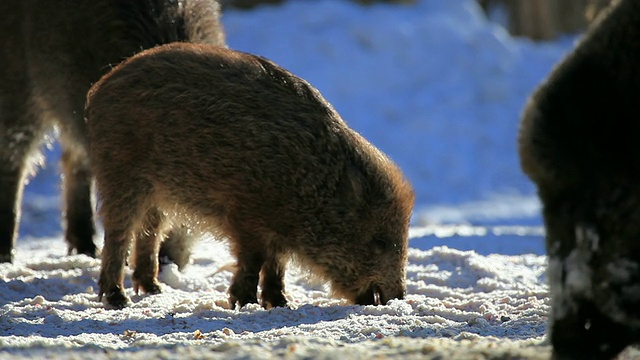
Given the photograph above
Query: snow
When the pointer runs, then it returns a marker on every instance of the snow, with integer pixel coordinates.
(50, 302)
(436, 86)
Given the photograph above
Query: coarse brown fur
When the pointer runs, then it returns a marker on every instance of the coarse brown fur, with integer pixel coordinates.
(235, 145)
(51, 55)
(580, 143)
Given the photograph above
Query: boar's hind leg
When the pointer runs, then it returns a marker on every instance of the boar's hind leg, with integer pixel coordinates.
(78, 209)
(114, 254)
(272, 283)
(121, 216)
(147, 247)
(250, 257)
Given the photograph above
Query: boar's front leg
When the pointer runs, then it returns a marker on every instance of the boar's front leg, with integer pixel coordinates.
(12, 174)
(21, 129)
(20, 132)
(11, 186)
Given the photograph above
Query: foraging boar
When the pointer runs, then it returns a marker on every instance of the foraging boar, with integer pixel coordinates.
(51, 54)
(235, 145)
(580, 143)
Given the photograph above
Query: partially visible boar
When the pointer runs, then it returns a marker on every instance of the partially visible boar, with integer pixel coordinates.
(52, 52)
(235, 145)
(580, 144)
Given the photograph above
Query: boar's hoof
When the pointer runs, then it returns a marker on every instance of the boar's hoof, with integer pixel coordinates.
(241, 298)
(273, 299)
(85, 247)
(242, 293)
(6, 258)
(115, 298)
(148, 286)
(233, 301)
(589, 334)
(90, 251)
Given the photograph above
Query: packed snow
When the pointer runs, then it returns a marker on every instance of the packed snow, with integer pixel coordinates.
(436, 86)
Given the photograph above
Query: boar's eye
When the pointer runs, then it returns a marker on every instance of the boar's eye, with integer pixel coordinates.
(382, 245)
(379, 245)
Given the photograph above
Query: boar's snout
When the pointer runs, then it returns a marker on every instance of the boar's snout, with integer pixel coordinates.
(375, 295)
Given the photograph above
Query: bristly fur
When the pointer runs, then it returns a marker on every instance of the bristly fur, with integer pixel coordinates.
(256, 155)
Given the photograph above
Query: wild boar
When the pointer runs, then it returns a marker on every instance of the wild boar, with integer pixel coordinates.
(234, 145)
(51, 55)
(579, 143)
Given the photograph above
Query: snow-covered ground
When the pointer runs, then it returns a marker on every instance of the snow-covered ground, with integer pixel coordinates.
(436, 86)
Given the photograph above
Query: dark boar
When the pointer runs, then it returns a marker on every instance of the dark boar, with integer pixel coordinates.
(580, 144)
(51, 55)
(237, 146)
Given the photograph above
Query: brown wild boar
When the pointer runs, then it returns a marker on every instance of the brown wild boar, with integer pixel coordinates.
(580, 144)
(235, 145)
(51, 55)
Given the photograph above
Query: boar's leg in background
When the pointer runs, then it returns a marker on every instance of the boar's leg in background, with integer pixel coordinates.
(20, 134)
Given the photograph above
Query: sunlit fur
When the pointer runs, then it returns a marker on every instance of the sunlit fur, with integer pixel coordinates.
(234, 144)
